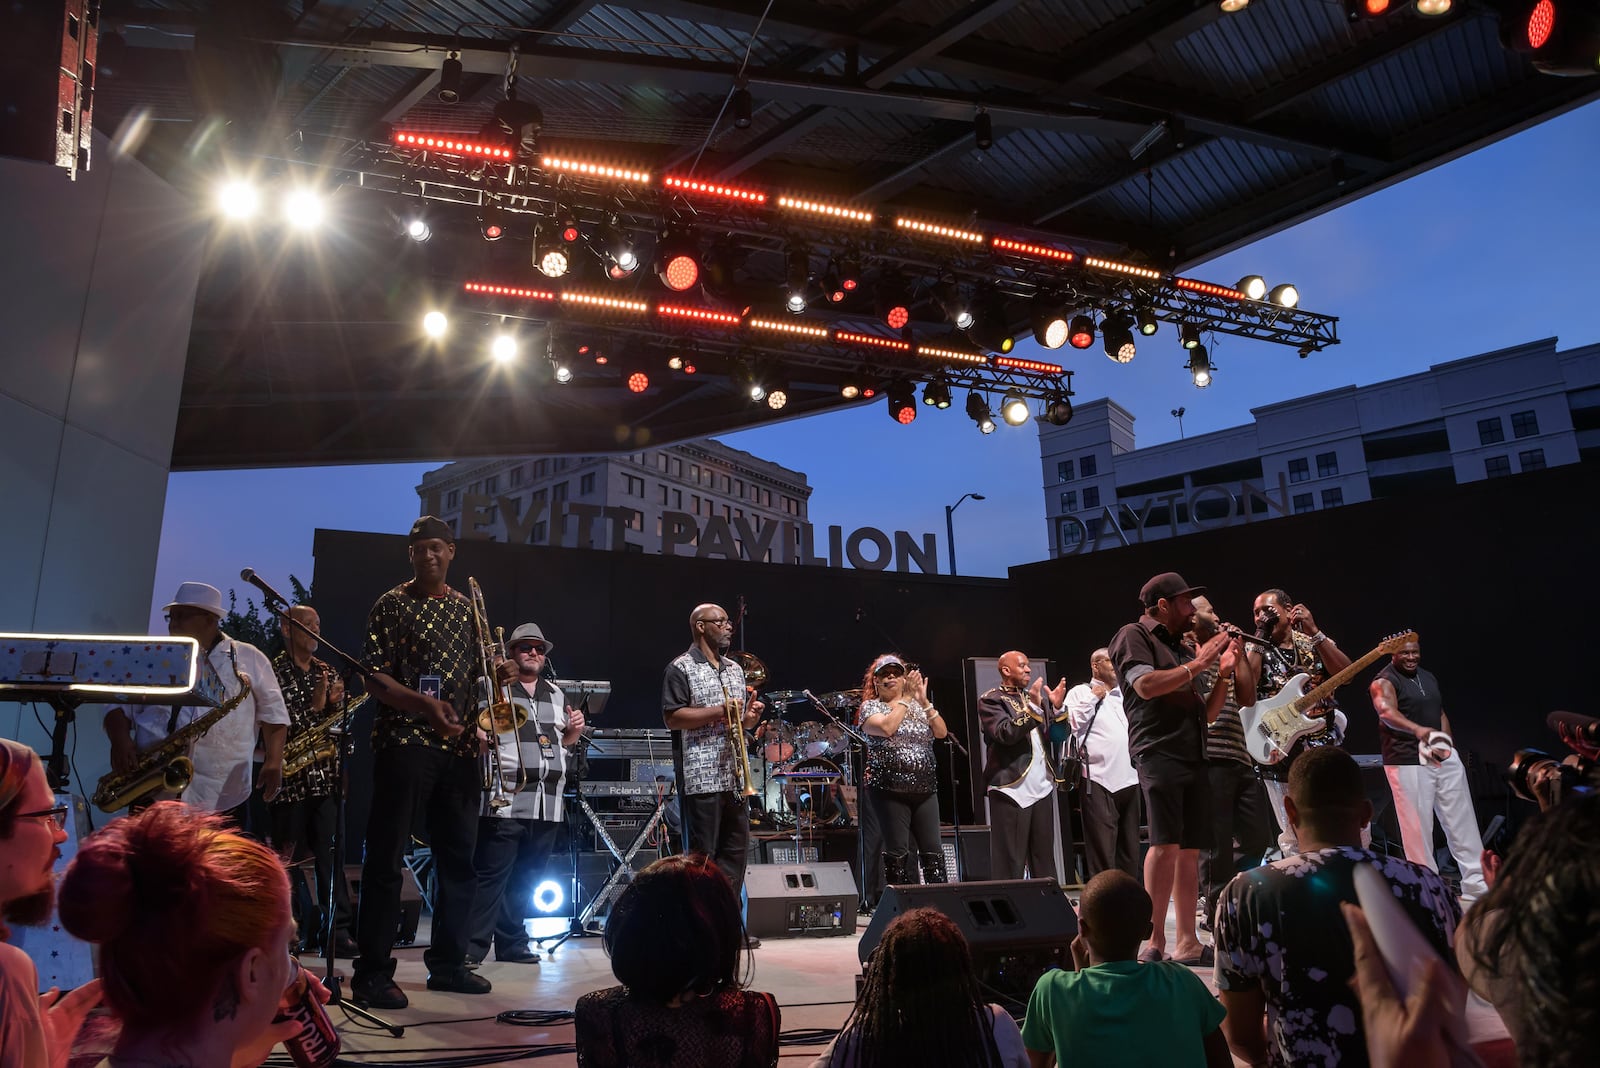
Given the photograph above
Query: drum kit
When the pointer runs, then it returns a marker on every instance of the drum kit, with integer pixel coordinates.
(804, 752)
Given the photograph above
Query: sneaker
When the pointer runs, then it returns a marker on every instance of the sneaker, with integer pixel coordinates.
(377, 992)
(517, 955)
(459, 981)
(752, 942)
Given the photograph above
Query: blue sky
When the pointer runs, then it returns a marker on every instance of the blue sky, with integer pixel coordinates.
(1490, 250)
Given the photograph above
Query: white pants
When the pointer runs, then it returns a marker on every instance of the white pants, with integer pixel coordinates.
(1419, 791)
(1288, 841)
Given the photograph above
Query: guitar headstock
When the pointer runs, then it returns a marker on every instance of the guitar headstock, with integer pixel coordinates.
(1391, 645)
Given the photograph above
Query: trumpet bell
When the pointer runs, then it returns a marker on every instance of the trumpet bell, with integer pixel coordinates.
(755, 672)
(502, 717)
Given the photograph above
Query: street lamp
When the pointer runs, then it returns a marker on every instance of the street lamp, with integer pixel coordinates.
(1177, 413)
(950, 527)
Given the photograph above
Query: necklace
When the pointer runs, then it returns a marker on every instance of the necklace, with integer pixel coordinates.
(1415, 681)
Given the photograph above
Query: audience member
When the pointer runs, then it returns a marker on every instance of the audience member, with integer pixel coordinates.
(1114, 1009)
(35, 1030)
(1282, 947)
(1409, 1033)
(675, 940)
(194, 925)
(921, 1007)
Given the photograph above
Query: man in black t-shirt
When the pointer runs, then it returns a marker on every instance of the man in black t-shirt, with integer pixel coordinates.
(1425, 773)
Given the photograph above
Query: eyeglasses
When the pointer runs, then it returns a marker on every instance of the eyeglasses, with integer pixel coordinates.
(183, 613)
(57, 816)
(889, 671)
(722, 622)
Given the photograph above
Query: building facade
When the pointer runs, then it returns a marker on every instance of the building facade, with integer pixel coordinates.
(624, 503)
(1502, 413)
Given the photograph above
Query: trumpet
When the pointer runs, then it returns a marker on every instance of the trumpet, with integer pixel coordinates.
(755, 673)
(499, 715)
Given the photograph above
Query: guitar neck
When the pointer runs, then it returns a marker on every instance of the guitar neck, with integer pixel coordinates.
(1317, 695)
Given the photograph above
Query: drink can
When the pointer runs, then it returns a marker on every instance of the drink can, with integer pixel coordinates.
(316, 1044)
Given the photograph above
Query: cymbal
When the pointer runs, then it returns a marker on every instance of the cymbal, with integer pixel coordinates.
(783, 697)
(838, 699)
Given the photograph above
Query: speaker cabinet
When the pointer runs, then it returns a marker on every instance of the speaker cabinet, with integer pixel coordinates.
(800, 900)
(974, 853)
(410, 901)
(1017, 929)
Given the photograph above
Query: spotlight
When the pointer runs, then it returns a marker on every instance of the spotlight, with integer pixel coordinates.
(304, 209)
(1118, 338)
(238, 200)
(1563, 38)
(418, 230)
(1231, 6)
(983, 130)
(1200, 367)
(1432, 8)
(797, 271)
(978, 412)
(1080, 334)
(850, 389)
(956, 309)
(492, 220)
(777, 393)
(678, 262)
(937, 392)
(563, 372)
(1146, 318)
(1365, 9)
(550, 256)
(548, 896)
(450, 79)
(1049, 321)
(434, 324)
(741, 106)
(1252, 286)
(1188, 335)
(638, 382)
(675, 362)
(894, 302)
(1285, 295)
(616, 248)
(849, 267)
(832, 287)
(1014, 408)
(503, 348)
(902, 403)
(1058, 408)
(991, 332)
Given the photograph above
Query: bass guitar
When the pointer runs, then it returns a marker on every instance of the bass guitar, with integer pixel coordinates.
(1272, 725)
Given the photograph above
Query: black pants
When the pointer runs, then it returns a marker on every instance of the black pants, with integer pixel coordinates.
(871, 876)
(1021, 837)
(508, 858)
(445, 789)
(304, 829)
(718, 825)
(1111, 829)
(1239, 811)
(907, 823)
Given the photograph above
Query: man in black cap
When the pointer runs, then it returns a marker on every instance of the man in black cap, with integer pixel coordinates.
(1167, 719)
(515, 840)
(423, 650)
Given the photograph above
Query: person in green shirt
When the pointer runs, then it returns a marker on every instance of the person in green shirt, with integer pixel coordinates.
(1113, 1009)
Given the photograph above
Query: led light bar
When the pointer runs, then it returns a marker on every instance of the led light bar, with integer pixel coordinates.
(1033, 366)
(1210, 289)
(937, 230)
(1025, 248)
(833, 211)
(594, 170)
(846, 337)
(713, 189)
(800, 329)
(453, 145)
(613, 303)
(704, 315)
(1122, 268)
(491, 290)
(935, 352)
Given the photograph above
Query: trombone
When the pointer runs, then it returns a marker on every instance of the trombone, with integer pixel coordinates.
(499, 715)
(755, 673)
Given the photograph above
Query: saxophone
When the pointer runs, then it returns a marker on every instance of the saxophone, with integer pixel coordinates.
(317, 742)
(165, 767)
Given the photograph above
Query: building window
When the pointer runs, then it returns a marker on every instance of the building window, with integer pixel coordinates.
(491, 484)
(1532, 459)
(558, 492)
(1303, 502)
(1069, 501)
(677, 467)
(633, 486)
(1064, 471)
(516, 476)
(561, 463)
(1496, 467)
(1327, 464)
(476, 487)
(536, 495)
(661, 493)
(538, 530)
(635, 520)
(452, 499)
(677, 499)
(1490, 431)
(1524, 424)
(1091, 496)
(541, 468)
(586, 484)
(1086, 466)
(1299, 470)
(1071, 535)
(1332, 498)
(766, 498)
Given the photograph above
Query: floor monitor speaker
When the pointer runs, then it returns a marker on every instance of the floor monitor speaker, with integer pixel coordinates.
(800, 900)
(410, 901)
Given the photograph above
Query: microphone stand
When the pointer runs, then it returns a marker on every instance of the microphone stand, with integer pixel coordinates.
(858, 745)
(955, 799)
(279, 606)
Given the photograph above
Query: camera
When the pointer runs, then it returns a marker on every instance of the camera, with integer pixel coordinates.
(1537, 776)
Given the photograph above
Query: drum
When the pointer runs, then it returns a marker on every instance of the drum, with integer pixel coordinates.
(814, 740)
(775, 739)
(815, 803)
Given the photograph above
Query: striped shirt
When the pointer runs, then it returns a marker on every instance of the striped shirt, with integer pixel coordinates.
(1225, 737)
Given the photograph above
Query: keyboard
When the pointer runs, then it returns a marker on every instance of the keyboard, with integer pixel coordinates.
(629, 742)
(619, 788)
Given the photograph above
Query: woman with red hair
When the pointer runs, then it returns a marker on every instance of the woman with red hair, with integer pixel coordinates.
(194, 926)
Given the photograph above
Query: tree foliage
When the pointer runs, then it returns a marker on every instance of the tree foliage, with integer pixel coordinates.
(257, 624)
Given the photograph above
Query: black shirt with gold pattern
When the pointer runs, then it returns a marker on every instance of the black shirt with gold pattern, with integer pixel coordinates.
(409, 637)
(317, 779)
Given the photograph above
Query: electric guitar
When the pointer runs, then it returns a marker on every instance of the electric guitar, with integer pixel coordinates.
(1274, 724)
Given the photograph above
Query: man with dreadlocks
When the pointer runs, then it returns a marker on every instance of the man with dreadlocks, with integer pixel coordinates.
(920, 1006)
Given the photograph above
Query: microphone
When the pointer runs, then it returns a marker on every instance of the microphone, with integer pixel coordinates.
(250, 576)
(1585, 729)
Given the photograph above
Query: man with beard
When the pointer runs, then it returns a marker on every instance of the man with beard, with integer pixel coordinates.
(1298, 645)
(1425, 773)
(702, 688)
(35, 1030)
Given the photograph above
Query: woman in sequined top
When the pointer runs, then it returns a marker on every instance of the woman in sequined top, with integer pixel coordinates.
(901, 780)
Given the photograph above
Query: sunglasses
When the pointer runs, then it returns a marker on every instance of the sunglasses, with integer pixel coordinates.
(889, 671)
(529, 647)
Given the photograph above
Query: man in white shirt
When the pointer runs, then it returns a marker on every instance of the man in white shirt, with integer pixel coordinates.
(1110, 791)
(224, 755)
(1016, 720)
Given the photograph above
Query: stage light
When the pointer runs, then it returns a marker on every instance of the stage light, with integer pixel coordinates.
(1080, 332)
(933, 229)
(238, 200)
(1188, 335)
(492, 220)
(1210, 289)
(1027, 248)
(948, 293)
(937, 392)
(503, 348)
(1014, 407)
(713, 189)
(304, 209)
(450, 79)
(1049, 321)
(563, 372)
(741, 105)
(1057, 408)
(983, 130)
(678, 262)
(568, 229)
(849, 267)
(1253, 286)
(550, 256)
(850, 389)
(638, 382)
(1285, 295)
(797, 273)
(894, 301)
(1432, 8)
(1117, 332)
(617, 248)
(1200, 367)
(1562, 37)
(832, 288)
(434, 324)
(978, 412)
(902, 402)
(1233, 6)
(777, 391)
(548, 896)
(418, 230)
(593, 170)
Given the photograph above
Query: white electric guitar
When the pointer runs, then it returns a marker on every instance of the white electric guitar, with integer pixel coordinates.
(1274, 724)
